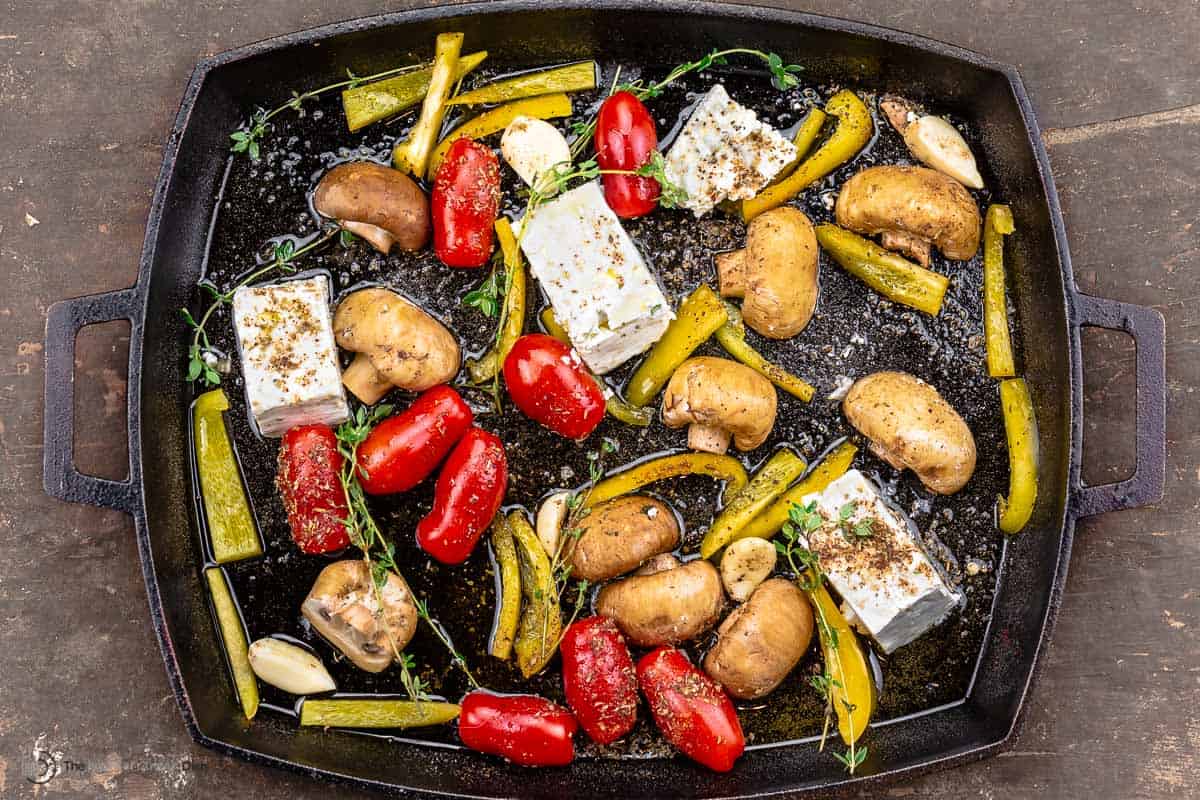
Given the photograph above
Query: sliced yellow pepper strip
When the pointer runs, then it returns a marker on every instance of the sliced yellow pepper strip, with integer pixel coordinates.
(722, 468)
(846, 663)
(896, 278)
(806, 136)
(372, 102)
(767, 484)
(494, 120)
(512, 321)
(854, 129)
(827, 470)
(541, 621)
(508, 604)
(996, 225)
(732, 337)
(234, 637)
(231, 527)
(577, 77)
(412, 154)
(698, 317)
(1020, 427)
(376, 713)
(617, 408)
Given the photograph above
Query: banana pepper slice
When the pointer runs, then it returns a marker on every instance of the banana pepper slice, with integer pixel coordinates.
(231, 529)
(372, 102)
(720, 467)
(512, 323)
(732, 337)
(577, 77)
(508, 601)
(233, 635)
(896, 278)
(376, 713)
(1020, 427)
(852, 688)
(770, 521)
(494, 120)
(997, 224)
(767, 484)
(698, 317)
(541, 621)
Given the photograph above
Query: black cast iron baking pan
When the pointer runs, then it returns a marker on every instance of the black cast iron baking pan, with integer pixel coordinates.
(990, 100)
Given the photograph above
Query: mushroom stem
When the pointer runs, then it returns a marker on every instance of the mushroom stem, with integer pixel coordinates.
(913, 246)
(708, 438)
(376, 236)
(364, 381)
(731, 273)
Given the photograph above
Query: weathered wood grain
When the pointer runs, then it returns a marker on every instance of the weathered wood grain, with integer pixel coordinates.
(87, 92)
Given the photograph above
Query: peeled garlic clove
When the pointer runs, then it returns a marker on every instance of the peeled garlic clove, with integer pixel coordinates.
(550, 519)
(288, 667)
(746, 564)
(531, 147)
(938, 144)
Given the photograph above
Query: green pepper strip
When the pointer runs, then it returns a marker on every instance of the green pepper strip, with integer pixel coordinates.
(699, 316)
(578, 77)
(997, 224)
(372, 102)
(806, 136)
(617, 408)
(230, 523)
(541, 621)
(854, 129)
(896, 278)
(829, 469)
(732, 337)
(720, 467)
(376, 713)
(412, 154)
(497, 119)
(234, 636)
(508, 604)
(512, 320)
(852, 690)
(1020, 428)
(767, 484)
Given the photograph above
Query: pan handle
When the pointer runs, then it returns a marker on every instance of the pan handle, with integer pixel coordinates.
(1148, 330)
(59, 475)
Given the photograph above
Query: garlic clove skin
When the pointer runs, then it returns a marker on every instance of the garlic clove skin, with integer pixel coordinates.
(938, 144)
(531, 147)
(745, 564)
(550, 519)
(289, 667)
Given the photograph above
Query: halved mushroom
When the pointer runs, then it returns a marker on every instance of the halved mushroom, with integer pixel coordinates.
(380, 204)
(932, 140)
(664, 602)
(913, 208)
(718, 399)
(343, 606)
(911, 426)
(776, 273)
(762, 640)
(397, 343)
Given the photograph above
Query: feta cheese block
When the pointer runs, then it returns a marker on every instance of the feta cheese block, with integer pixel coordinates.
(886, 578)
(289, 358)
(602, 292)
(725, 153)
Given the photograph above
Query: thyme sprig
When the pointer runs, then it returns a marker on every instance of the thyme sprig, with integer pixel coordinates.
(558, 177)
(803, 520)
(487, 297)
(783, 77)
(205, 362)
(440, 631)
(246, 139)
(854, 531)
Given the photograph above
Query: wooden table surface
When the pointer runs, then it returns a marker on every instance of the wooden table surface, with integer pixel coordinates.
(87, 94)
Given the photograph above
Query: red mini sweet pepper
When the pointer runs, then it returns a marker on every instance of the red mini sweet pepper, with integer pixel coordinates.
(524, 728)
(403, 450)
(309, 482)
(467, 496)
(465, 202)
(598, 678)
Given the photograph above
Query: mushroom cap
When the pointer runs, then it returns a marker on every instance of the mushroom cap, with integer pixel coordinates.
(371, 194)
(405, 345)
(344, 608)
(723, 394)
(913, 200)
(911, 426)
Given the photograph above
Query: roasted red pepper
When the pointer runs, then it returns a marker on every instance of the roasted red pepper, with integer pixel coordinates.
(549, 383)
(466, 498)
(309, 481)
(403, 450)
(625, 139)
(598, 678)
(524, 728)
(691, 709)
(466, 200)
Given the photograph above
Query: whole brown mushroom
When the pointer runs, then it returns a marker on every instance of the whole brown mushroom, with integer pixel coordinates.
(718, 399)
(776, 273)
(397, 343)
(343, 606)
(913, 208)
(380, 204)
(620, 535)
(664, 602)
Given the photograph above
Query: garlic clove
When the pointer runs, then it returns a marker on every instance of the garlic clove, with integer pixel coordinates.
(289, 667)
(745, 564)
(550, 519)
(938, 144)
(531, 147)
